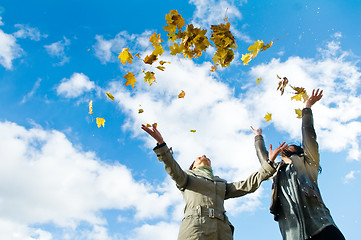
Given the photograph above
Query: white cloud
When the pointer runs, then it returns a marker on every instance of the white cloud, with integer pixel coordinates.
(28, 32)
(350, 176)
(75, 86)
(57, 49)
(9, 50)
(45, 179)
(1, 22)
(159, 231)
(32, 92)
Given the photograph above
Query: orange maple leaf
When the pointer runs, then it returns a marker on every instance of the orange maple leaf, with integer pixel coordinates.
(130, 79)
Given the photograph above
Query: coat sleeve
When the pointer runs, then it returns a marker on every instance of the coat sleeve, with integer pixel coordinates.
(238, 189)
(261, 150)
(165, 155)
(309, 142)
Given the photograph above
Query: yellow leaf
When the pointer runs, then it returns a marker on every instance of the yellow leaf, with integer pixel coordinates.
(148, 125)
(158, 50)
(140, 110)
(137, 55)
(298, 112)
(149, 77)
(182, 94)
(278, 77)
(130, 79)
(255, 48)
(259, 80)
(176, 48)
(268, 117)
(110, 96)
(155, 39)
(91, 107)
(193, 131)
(246, 58)
(125, 56)
(297, 97)
(161, 68)
(100, 122)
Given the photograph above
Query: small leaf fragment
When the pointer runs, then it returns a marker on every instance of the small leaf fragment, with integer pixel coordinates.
(259, 80)
(213, 68)
(161, 68)
(182, 94)
(268, 117)
(193, 131)
(246, 58)
(109, 95)
(100, 122)
(91, 107)
(140, 110)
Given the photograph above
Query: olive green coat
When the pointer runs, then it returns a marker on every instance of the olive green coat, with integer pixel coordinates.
(204, 213)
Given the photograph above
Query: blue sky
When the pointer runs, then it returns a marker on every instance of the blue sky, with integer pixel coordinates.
(62, 177)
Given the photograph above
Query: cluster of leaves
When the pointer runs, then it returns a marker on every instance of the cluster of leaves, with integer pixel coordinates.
(190, 42)
(99, 121)
(299, 94)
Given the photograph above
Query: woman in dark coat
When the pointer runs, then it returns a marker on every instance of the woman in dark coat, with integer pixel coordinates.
(296, 199)
(204, 194)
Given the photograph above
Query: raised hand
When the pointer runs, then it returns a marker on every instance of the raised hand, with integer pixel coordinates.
(154, 133)
(315, 97)
(272, 154)
(257, 131)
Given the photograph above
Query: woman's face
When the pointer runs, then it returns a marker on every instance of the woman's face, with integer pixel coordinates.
(201, 161)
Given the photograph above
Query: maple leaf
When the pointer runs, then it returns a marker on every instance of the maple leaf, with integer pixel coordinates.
(246, 58)
(158, 50)
(149, 77)
(182, 94)
(193, 131)
(110, 96)
(268, 117)
(130, 79)
(174, 20)
(150, 59)
(125, 56)
(255, 48)
(161, 68)
(155, 39)
(298, 112)
(259, 80)
(91, 107)
(100, 122)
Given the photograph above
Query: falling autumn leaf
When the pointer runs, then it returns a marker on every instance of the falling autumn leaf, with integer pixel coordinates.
(246, 58)
(182, 94)
(137, 55)
(267, 46)
(300, 93)
(149, 77)
(150, 59)
(193, 131)
(278, 77)
(125, 56)
(100, 122)
(259, 80)
(282, 85)
(163, 62)
(161, 68)
(298, 112)
(130, 79)
(213, 68)
(91, 107)
(268, 117)
(148, 125)
(110, 96)
(140, 110)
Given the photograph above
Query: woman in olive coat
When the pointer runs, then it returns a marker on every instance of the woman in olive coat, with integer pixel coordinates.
(297, 204)
(204, 194)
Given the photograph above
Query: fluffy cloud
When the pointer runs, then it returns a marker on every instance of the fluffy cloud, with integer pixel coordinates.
(9, 50)
(75, 86)
(45, 179)
(351, 176)
(28, 32)
(57, 49)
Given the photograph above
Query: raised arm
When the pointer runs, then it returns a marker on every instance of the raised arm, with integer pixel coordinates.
(165, 155)
(261, 150)
(238, 189)
(309, 138)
